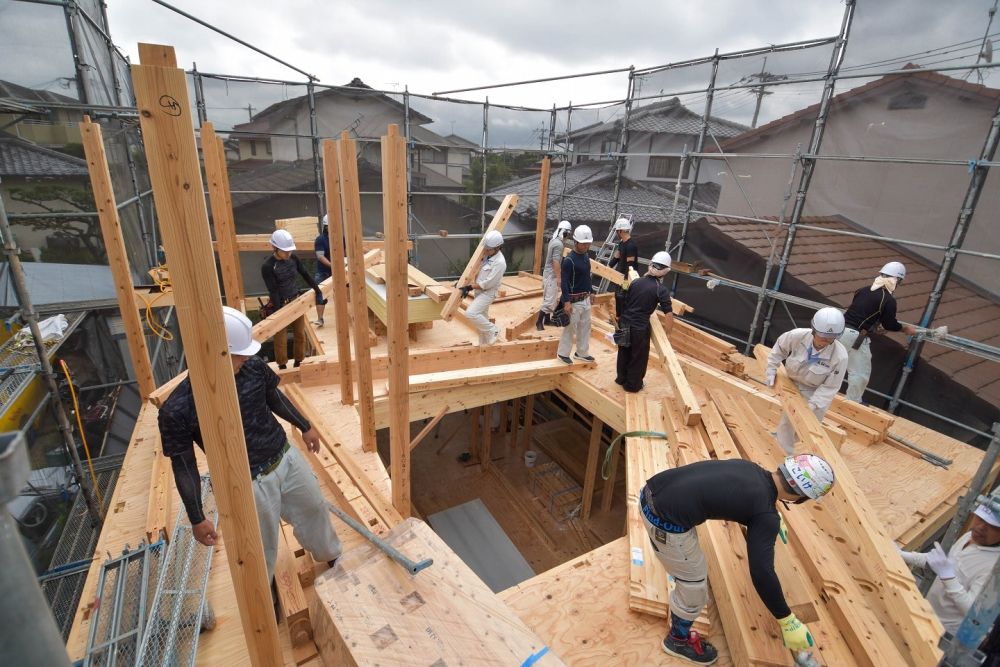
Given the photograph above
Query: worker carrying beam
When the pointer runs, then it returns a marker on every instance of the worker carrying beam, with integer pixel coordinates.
(871, 308)
(576, 289)
(486, 286)
(284, 486)
(626, 257)
(640, 301)
(279, 271)
(964, 570)
(815, 361)
(675, 501)
(552, 274)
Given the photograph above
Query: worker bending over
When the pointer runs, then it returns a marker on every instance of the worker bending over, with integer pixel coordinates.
(675, 501)
(576, 289)
(815, 361)
(963, 571)
(278, 272)
(625, 257)
(284, 486)
(639, 303)
(321, 247)
(872, 307)
(552, 274)
(486, 285)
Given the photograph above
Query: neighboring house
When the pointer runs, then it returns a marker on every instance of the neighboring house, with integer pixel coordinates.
(919, 115)
(660, 127)
(829, 269)
(27, 114)
(453, 161)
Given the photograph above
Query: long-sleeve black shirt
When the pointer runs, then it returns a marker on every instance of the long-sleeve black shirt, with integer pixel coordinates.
(871, 308)
(259, 398)
(628, 257)
(641, 299)
(731, 490)
(576, 274)
(279, 277)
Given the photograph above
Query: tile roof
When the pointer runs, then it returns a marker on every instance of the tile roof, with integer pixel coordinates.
(967, 312)
(667, 117)
(23, 158)
(9, 89)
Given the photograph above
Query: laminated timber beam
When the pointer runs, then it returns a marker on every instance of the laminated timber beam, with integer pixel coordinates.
(221, 200)
(679, 381)
(175, 174)
(335, 239)
(499, 221)
(467, 377)
(543, 202)
(590, 476)
(114, 245)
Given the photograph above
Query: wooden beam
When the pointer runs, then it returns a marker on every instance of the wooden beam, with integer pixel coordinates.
(543, 202)
(161, 493)
(432, 288)
(679, 381)
(350, 197)
(590, 476)
(529, 421)
(114, 245)
(175, 174)
(217, 174)
(475, 440)
(394, 214)
(605, 271)
(487, 448)
(467, 377)
(515, 330)
(290, 312)
(335, 237)
(499, 220)
(291, 598)
(428, 428)
(594, 400)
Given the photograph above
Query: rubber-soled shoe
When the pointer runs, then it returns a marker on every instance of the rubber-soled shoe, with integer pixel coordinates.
(694, 649)
(318, 323)
(540, 322)
(565, 360)
(583, 357)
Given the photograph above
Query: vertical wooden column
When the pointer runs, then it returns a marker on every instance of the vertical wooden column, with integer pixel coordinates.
(529, 419)
(474, 438)
(217, 174)
(350, 199)
(543, 203)
(515, 423)
(609, 484)
(114, 245)
(168, 133)
(397, 298)
(487, 450)
(590, 476)
(335, 237)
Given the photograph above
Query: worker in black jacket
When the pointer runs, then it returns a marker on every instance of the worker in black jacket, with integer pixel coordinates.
(284, 486)
(675, 501)
(871, 308)
(626, 256)
(639, 302)
(279, 272)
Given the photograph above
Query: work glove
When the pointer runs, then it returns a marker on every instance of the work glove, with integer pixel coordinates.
(795, 633)
(769, 378)
(782, 529)
(465, 290)
(938, 561)
(913, 558)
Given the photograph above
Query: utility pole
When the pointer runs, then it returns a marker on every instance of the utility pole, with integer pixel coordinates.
(763, 77)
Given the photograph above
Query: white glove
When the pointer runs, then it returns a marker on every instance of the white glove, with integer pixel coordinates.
(913, 558)
(938, 561)
(769, 378)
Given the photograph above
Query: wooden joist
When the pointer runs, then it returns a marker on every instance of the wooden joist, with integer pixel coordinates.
(515, 330)
(468, 377)
(429, 427)
(594, 400)
(291, 597)
(679, 382)
(432, 288)
(159, 508)
(290, 312)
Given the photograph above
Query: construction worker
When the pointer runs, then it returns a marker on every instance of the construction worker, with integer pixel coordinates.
(552, 274)
(626, 257)
(323, 267)
(279, 272)
(576, 289)
(675, 501)
(871, 308)
(284, 486)
(815, 361)
(963, 571)
(639, 302)
(486, 285)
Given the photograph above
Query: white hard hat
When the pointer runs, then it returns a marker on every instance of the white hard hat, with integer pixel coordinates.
(239, 332)
(986, 513)
(582, 234)
(662, 258)
(326, 219)
(894, 269)
(828, 323)
(808, 475)
(493, 239)
(563, 226)
(623, 224)
(282, 240)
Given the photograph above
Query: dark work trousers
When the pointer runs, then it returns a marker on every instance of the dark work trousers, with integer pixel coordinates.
(632, 360)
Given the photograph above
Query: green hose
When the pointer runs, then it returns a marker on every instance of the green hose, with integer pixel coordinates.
(630, 434)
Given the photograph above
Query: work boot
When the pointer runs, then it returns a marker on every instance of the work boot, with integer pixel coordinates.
(694, 648)
(547, 321)
(540, 322)
(583, 357)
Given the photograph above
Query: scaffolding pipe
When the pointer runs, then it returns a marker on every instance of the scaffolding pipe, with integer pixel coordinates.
(70, 9)
(314, 142)
(570, 156)
(530, 81)
(677, 198)
(199, 95)
(486, 152)
(976, 183)
(623, 149)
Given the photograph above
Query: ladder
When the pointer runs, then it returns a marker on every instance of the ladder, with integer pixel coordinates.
(607, 251)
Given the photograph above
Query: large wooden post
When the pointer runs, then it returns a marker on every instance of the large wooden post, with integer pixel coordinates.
(350, 199)
(168, 133)
(335, 237)
(590, 476)
(219, 196)
(543, 203)
(397, 297)
(114, 245)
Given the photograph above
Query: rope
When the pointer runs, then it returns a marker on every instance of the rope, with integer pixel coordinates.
(152, 321)
(605, 472)
(83, 436)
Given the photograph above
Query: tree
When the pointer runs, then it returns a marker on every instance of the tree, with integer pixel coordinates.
(501, 167)
(84, 232)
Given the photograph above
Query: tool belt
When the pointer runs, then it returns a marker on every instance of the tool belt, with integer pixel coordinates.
(646, 505)
(270, 465)
(578, 297)
(862, 335)
(623, 337)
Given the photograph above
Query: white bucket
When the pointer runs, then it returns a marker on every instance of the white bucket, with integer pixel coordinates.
(529, 458)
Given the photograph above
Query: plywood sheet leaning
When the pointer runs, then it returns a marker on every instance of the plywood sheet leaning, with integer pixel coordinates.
(368, 611)
(679, 381)
(499, 221)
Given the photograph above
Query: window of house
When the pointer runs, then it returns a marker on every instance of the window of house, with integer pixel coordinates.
(267, 146)
(609, 146)
(908, 99)
(433, 156)
(663, 167)
(253, 147)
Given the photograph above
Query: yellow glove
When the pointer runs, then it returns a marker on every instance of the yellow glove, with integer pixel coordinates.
(782, 529)
(795, 633)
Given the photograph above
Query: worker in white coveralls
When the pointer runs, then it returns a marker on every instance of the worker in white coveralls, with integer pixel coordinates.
(963, 571)
(815, 361)
(485, 286)
(552, 274)
(284, 486)
(576, 290)
(871, 308)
